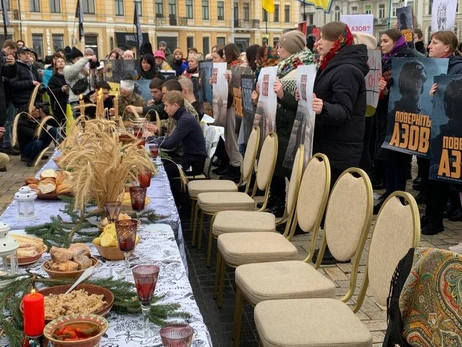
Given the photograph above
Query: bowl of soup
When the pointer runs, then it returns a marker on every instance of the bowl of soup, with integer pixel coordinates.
(78, 330)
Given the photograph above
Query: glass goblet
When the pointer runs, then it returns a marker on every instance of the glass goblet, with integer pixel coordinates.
(176, 335)
(112, 209)
(144, 179)
(126, 236)
(145, 277)
(138, 199)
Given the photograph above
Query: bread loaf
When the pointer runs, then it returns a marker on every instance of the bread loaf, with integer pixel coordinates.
(31, 180)
(68, 265)
(60, 255)
(80, 249)
(33, 186)
(50, 173)
(46, 186)
(63, 188)
(59, 178)
(83, 261)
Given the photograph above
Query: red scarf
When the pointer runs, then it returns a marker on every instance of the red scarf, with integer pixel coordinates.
(345, 39)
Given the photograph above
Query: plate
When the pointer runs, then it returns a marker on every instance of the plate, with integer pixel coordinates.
(67, 274)
(89, 288)
(49, 196)
(31, 260)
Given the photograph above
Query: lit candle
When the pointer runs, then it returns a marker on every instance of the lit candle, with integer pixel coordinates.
(116, 106)
(34, 313)
(99, 103)
(81, 105)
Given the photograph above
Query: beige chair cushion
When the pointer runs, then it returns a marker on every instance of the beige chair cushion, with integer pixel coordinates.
(206, 186)
(309, 323)
(246, 248)
(282, 280)
(243, 221)
(222, 201)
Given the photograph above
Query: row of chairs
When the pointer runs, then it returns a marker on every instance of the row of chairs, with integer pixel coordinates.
(289, 294)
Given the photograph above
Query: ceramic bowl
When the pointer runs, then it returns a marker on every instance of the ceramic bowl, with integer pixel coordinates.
(68, 274)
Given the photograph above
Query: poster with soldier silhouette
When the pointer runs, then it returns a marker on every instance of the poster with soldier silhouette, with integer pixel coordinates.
(236, 73)
(446, 139)
(205, 92)
(248, 109)
(303, 128)
(443, 15)
(121, 69)
(406, 22)
(220, 93)
(409, 122)
(265, 114)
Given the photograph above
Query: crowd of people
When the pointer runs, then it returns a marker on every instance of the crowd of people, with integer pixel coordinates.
(342, 131)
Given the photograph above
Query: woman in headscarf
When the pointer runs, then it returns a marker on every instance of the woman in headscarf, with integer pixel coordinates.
(395, 165)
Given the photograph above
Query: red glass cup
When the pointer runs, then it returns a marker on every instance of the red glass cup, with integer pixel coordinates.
(126, 237)
(138, 198)
(144, 178)
(176, 335)
(154, 150)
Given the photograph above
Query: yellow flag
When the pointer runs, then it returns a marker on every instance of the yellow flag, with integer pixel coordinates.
(320, 4)
(268, 5)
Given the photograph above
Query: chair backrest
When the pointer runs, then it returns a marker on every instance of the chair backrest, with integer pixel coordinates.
(294, 184)
(265, 166)
(250, 155)
(396, 229)
(312, 198)
(348, 220)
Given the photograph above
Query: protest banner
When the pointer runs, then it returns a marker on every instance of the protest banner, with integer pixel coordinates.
(446, 140)
(409, 108)
(303, 128)
(372, 80)
(406, 22)
(248, 109)
(142, 88)
(205, 92)
(220, 93)
(121, 69)
(236, 73)
(359, 23)
(443, 15)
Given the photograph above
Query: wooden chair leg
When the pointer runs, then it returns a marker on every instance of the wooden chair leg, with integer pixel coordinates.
(217, 274)
(237, 325)
(194, 227)
(201, 225)
(210, 241)
(222, 283)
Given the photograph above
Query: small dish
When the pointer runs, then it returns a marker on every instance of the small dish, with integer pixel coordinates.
(67, 274)
(30, 260)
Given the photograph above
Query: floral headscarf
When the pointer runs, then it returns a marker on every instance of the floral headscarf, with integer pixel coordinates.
(345, 39)
(287, 67)
(270, 58)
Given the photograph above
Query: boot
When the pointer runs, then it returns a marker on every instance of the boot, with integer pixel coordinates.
(380, 202)
(432, 228)
(327, 259)
(417, 183)
(234, 174)
(222, 169)
(456, 216)
(277, 208)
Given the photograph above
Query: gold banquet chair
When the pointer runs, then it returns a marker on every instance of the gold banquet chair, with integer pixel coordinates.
(212, 203)
(204, 186)
(247, 221)
(298, 279)
(330, 322)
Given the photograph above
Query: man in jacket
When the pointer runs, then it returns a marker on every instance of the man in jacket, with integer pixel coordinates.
(128, 97)
(8, 71)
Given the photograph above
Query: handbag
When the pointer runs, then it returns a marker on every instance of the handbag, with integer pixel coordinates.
(80, 86)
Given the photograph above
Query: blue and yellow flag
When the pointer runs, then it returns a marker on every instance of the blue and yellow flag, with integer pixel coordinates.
(324, 5)
(268, 5)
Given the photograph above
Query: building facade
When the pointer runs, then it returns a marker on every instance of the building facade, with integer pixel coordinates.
(46, 25)
(422, 10)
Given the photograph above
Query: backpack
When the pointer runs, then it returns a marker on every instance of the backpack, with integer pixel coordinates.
(80, 86)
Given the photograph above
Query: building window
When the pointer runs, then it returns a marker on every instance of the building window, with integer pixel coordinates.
(337, 13)
(265, 16)
(287, 13)
(368, 9)
(221, 41)
(190, 42)
(206, 44)
(246, 11)
(221, 10)
(236, 11)
(354, 9)
(310, 19)
(430, 5)
(205, 9)
(37, 44)
(58, 41)
(119, 7)
(159, 8)
(89, 6)
(55, 6)
(189, 9)
(393, 10)
(172, 7)
(276, 14)
(34, 5)
(381, 10)
(139, 7)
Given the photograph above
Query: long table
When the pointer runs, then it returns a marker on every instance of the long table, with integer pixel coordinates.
(161, 244)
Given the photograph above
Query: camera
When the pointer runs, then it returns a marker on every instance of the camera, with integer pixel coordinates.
(45, 106)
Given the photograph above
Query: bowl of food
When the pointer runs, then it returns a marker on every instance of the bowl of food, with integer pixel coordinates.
(107, 244)
(84, 299)
(69, 272)
(30, 249)
(78, 330)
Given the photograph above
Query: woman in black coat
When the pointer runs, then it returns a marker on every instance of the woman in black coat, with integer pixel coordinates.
(59, 91)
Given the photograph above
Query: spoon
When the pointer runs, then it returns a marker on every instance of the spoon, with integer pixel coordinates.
(87, 273)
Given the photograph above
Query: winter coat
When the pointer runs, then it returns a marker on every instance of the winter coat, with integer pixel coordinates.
(455, 65)
(285, 117)
(178, 66)
(26, 131)
(7, 72)
(73, 73)
(22, 85)
(339, 128)
(59, 104)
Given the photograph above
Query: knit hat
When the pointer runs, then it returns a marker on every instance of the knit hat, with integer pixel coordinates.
(163, 43)
(128, 85)
(159, 54)
(365, 39)
(75, 53)
(293, 41)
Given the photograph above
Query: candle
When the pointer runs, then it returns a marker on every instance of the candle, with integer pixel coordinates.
(116, 106)
(81, 105)
(99, 103)
(34, 313)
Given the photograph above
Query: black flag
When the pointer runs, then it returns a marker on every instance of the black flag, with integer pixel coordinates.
(79, 15)
(6, 20)
(139, 34)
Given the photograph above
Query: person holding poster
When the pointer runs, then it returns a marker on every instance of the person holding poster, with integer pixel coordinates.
(339, 101)
(391, 165)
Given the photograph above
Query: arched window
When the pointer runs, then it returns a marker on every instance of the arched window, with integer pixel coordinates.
(337, 13)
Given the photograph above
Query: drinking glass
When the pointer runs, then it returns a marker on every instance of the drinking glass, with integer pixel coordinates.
(112, 209)
(154, 150)
(145, 277)
(144, 179)
(126, 236)
(138, 199)
(176, 335)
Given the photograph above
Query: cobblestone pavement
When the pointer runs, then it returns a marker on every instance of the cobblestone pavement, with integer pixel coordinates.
(219, 321)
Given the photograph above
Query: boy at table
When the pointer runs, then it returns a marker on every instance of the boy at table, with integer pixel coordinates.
(188, 133)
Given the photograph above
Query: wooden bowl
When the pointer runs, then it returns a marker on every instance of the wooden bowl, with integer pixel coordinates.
(76, 318)
(31, 260)
(111, 253)
(67, 274)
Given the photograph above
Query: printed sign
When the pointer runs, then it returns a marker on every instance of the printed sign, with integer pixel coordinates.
(406, 22)
(359, 23)
(220, 93)
(372, 80)
(443, 15)
(265, 114)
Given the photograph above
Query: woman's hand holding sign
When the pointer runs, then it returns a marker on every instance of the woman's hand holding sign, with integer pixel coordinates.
(317, 104)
